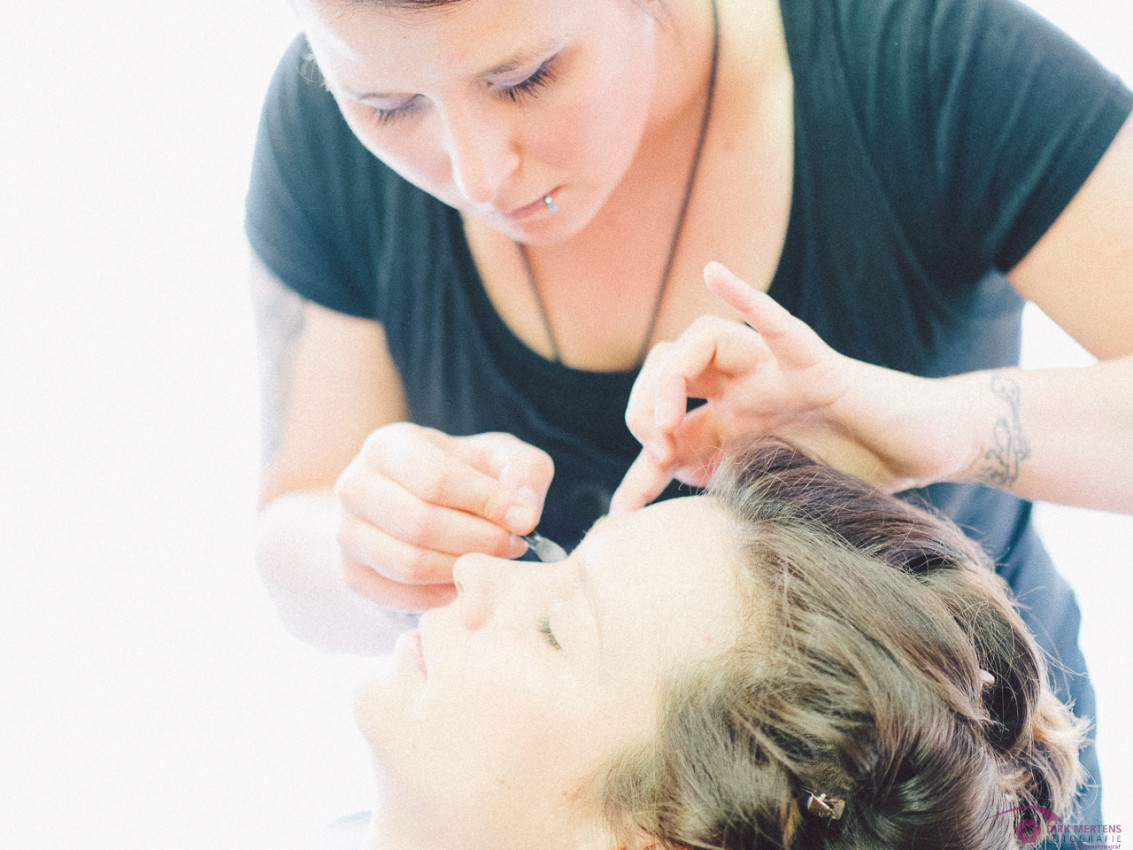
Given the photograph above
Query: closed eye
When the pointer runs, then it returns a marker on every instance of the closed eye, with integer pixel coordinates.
(548, 635)
(388, 116)
(543, 76)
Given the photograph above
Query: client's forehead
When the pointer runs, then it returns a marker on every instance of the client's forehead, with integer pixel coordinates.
(680, 526)
(669, 572)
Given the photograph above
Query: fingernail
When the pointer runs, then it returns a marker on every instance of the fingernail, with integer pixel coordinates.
(519, 518)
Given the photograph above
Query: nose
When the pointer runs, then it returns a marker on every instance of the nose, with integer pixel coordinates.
(481, 155)
(475, 581)
(506, 593)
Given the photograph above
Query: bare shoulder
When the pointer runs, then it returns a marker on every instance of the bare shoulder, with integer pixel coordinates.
(1081, 272)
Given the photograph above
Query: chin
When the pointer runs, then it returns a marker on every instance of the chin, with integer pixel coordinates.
(379, 706)
(553, 229)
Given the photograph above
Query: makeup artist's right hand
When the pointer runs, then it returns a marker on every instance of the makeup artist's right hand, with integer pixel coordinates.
(414, 499)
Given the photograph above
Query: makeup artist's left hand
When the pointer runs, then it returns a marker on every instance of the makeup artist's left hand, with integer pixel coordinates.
(778, 377)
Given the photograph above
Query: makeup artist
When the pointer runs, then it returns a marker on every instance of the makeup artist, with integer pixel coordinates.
(473, 219)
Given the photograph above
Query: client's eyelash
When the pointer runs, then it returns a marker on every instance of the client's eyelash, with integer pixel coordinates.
(545, 630)
(543, 76)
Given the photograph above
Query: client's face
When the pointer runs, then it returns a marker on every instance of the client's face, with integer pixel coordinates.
(491, 723)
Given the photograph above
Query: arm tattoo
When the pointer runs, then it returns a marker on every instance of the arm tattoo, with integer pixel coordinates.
(1009, 447)
(280, 314)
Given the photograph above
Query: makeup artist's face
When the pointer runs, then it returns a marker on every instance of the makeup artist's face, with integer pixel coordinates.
(491, 724)
(490, 105)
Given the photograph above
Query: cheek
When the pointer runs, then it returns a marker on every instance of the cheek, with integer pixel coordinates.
(493, 692)
(510, 730)
(595, 129)
(584, 138)
(515, 688)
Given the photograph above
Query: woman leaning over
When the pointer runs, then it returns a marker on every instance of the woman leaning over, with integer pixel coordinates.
(473, 218)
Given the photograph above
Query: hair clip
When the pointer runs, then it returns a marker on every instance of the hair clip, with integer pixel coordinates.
(821, 806)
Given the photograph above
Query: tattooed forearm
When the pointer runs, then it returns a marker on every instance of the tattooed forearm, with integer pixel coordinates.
(279, 323)
(1008, 446)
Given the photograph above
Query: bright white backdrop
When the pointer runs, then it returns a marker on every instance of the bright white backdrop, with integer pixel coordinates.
(148, 696)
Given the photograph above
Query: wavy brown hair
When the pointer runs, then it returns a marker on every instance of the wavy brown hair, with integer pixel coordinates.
(882, 665)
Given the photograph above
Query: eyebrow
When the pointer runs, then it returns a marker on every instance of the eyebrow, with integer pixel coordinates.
(587, 587)
(519, 60)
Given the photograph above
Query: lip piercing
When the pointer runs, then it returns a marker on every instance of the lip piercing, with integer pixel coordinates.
(550, 202)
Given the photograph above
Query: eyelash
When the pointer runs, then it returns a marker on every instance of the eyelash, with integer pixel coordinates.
(545, 630)
(542, 77)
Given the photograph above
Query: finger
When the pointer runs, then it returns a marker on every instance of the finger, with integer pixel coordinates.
(408, 598)
(644, 481)
(686, 371)
(391, 558)
(436, 468)
(641, 409)
(659, 398)
(384, 504)
(675, 361)
(701, 363)
(790, 339)
(403, 562)
(527, 471)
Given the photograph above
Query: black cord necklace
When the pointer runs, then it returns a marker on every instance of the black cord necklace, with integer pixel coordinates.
(674, 241)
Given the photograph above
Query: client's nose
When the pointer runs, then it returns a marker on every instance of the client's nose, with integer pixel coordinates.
(475, 588)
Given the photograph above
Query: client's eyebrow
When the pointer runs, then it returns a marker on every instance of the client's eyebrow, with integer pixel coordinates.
(587, 586)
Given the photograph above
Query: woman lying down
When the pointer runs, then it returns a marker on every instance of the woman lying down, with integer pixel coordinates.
(793, 661)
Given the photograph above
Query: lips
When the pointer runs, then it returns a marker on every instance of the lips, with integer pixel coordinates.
(530, 209)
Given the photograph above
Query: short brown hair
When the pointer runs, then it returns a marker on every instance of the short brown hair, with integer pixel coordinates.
(865, 674)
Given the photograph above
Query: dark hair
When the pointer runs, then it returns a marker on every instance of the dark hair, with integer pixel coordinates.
(882, 665)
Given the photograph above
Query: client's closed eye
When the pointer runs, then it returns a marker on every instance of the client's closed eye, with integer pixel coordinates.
(549, 636)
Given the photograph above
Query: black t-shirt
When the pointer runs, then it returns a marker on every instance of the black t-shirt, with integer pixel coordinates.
(935, 142)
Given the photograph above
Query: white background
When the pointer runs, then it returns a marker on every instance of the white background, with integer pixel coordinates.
(148, 695)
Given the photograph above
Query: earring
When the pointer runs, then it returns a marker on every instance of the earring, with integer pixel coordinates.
(550, 202)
